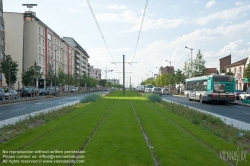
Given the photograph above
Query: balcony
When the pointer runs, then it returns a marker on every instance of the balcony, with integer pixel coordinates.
(77, 61)
(77, 66)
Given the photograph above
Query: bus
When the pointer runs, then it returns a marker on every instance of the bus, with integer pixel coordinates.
(217, 88)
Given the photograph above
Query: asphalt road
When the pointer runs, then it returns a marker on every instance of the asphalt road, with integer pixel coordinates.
(233, 111)
(8, 111)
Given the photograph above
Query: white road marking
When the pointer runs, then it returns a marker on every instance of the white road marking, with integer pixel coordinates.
(38, 103)
(17, 110)
(246, 113)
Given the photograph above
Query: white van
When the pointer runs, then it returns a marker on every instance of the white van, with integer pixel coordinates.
(141, 88)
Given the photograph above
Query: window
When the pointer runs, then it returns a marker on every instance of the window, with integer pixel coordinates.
(43, 61)
(49, 36)
(2, 27)
(1, 13)
(43, 32)
(43, 42)
(39, 50)
(43, 51)
(39, 60)
(2, 41)
(39, 40)
(39, 30)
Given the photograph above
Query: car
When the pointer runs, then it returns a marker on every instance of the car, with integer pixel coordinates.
(146, 90)
(156, 90)
(1, 93)
(237, 94)
(165, 91)
(29, 91)
(12, 94)
(42, 92)
(51, 91)
(244, 95)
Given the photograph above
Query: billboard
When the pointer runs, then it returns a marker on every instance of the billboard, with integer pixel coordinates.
(219, 88)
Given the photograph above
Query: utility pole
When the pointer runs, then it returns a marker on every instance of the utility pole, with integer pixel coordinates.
(123, 62)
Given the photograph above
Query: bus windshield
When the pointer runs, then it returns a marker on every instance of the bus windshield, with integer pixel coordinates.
(223, 78)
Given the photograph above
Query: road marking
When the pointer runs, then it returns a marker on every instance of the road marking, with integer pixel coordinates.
(246, 113)
(38, 103)
(17, 110)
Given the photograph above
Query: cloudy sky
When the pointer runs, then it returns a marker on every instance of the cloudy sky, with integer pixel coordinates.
(217, 28)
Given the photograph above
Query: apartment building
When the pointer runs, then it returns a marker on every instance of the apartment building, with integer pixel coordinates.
(237, 68)
(2, 38)
(95, 73)
(30, 40)
(80, 57)
(167, 69)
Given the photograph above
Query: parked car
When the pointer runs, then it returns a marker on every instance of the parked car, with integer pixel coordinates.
(12, 94)
(28, 91)
(237, 94)
(72, 90)
(51, 91)
(42, 92)
(156, 90)
(1, 93)
(165, 91)
(244, 95)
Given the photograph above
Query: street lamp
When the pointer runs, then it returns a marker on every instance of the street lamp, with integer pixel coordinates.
(191, 59)
(55, 68)
(152, 74)
(168, 62)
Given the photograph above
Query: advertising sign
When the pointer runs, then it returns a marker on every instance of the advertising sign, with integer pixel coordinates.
(0, 76)
(219, 88)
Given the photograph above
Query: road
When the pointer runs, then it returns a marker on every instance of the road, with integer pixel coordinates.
(16, 109)
(233, 111)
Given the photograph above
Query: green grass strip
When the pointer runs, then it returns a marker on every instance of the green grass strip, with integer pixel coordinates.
(119, 140)
(66, 133)
(172, 145)
(211, 140)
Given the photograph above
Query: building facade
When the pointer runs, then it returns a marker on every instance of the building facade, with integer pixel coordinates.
(2, 38)
(80, 55)
(167, 69)
(95, 73)
(225, 61)
(30, 40)
(237, 68)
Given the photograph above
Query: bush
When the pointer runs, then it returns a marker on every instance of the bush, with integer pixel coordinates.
(91, 98)
(153, 97)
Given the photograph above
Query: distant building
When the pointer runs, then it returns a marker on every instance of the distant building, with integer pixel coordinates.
(80, 55)
(211, 71)
(95, 73)
(237, 68)
(225, 61)
(167, 69)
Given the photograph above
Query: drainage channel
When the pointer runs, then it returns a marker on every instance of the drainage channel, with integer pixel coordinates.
(150, 146)
(189, 133)
(89, 138)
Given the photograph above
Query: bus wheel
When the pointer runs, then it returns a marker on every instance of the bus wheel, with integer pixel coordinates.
(188, 98)
(201, 101)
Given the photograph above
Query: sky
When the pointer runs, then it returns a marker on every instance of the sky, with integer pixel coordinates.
(216, 27)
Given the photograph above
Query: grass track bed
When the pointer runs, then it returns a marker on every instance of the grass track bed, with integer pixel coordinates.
(119, 140)
(172, 146)
(68, 132)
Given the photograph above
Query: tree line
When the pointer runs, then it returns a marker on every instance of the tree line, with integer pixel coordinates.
(9, 68)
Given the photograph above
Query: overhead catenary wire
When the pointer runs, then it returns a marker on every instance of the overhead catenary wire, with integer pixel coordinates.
(142, 21)
(99, 28)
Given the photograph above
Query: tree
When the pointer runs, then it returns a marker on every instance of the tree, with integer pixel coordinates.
(50, 76)
(179, 77)
(187, 70)
(9, 68)
(229, 73)
(199, 65)
(247, 72)
(35, 73)
(102, 82)
(61, 78)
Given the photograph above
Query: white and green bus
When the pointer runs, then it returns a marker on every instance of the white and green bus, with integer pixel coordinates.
(217, 88)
